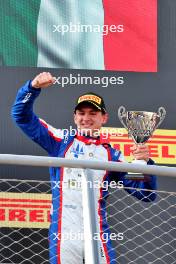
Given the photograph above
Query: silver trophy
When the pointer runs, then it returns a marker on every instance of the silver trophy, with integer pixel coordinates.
(139, 124)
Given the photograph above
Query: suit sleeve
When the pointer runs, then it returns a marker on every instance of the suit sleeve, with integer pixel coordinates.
(35, 128)
(133, 186)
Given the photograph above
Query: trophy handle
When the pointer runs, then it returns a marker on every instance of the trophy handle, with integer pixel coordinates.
(162, 115)
(122, 114)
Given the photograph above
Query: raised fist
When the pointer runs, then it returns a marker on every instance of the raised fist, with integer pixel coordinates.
(43, 80)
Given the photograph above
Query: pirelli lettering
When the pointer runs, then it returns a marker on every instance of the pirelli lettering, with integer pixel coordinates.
(90, 97)
(22, 210)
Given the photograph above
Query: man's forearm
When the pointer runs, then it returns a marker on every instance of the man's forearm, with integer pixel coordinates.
(22, 109)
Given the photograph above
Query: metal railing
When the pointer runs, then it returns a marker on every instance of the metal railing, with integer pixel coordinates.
(41, 161)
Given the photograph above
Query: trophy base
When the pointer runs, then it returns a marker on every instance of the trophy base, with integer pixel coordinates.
(140, 162)
(136, 175)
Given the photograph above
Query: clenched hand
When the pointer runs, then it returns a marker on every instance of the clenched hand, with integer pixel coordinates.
(43, 80)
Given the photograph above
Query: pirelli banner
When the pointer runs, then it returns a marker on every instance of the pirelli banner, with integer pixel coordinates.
(162, 145)
(24, 210)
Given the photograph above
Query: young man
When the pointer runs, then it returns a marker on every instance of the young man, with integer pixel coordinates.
(66, 214)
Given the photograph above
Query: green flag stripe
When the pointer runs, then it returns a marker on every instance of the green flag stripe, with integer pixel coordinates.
(18, 31)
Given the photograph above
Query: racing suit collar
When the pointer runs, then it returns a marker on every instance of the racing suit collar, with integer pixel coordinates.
(89, 140)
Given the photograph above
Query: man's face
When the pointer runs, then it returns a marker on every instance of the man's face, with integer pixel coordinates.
(89, 120)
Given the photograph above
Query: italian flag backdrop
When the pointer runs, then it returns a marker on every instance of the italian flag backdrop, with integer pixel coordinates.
(27, 37)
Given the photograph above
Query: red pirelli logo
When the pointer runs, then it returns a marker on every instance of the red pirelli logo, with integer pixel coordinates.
(28, 210)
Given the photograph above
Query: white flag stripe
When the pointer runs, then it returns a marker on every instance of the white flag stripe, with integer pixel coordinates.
(81, 50)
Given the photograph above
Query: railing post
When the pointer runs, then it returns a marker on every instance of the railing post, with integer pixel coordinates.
(91, 245)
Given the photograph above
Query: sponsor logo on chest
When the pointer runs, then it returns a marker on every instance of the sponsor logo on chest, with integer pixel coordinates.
(77, 150)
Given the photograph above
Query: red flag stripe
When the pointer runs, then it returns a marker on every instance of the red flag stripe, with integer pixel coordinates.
(135, 49)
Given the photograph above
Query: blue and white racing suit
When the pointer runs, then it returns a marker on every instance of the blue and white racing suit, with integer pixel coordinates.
(66, 212)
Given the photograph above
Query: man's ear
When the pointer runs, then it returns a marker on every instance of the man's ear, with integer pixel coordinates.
(105, 118)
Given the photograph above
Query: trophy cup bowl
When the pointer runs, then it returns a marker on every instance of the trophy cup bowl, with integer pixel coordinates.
(141, 124)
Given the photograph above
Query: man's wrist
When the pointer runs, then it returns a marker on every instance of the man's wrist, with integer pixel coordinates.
(32, 88)
(35, 84)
